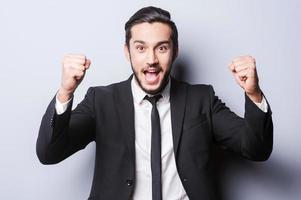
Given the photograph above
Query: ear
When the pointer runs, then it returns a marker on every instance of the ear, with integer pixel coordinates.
(127, 52)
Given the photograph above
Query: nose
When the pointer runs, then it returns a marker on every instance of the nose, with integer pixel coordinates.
(152, 58)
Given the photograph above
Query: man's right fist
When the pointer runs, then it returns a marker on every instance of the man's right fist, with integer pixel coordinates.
(74, 68)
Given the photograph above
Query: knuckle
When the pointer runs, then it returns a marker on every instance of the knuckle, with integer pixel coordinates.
(79, 72)
(252, 67)
(82, 56)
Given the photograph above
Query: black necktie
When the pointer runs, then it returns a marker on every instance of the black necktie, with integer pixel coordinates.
(155, 149)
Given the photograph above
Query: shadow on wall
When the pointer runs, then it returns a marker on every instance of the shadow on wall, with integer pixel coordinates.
(181, 69)
(273, 174)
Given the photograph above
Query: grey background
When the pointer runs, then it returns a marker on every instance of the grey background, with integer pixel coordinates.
(36, 34)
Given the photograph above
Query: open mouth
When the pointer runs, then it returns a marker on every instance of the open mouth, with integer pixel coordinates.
(152, 75)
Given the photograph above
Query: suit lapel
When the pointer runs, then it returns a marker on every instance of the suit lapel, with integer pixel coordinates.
(177, 110)
(125, 109)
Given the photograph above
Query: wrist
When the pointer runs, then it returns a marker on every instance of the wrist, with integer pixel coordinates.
(63, 95)
(255, 96)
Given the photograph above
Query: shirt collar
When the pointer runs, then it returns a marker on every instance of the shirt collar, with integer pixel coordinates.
(139, 94)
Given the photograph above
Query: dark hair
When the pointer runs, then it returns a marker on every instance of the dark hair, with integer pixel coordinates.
(152, 14)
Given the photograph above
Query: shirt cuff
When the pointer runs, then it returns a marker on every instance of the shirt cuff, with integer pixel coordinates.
(263, 105)
(61, 107)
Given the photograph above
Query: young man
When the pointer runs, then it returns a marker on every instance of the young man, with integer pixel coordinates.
(153, 134)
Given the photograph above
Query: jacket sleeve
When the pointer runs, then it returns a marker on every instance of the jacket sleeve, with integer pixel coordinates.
(250, 137)
(62, 135)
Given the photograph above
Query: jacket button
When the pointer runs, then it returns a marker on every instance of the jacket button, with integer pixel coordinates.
(185, 180)
(51, 122)
(129, 182)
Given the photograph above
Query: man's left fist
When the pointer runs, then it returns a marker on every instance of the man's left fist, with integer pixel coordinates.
(244, 70)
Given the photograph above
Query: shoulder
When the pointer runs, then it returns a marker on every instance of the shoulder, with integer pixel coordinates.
(110, 91)
(193, 89)
(111, 88)
(197, 96)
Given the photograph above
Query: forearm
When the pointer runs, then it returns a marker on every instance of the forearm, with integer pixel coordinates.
(52, 134)
(257, 140)
(250, 137)
(61, 135)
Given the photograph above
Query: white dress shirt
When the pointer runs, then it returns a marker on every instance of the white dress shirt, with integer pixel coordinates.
(172, 187)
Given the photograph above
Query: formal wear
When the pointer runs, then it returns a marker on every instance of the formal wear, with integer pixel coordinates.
(197, 118)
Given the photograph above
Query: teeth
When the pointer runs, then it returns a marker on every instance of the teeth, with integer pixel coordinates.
(152, 71)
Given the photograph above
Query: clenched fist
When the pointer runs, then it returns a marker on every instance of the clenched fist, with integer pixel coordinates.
(73, 72)
(244, 70)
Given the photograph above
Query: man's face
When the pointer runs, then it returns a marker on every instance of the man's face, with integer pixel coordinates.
(150, 52)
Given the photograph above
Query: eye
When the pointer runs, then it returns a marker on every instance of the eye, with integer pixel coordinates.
(163, 48)
(140, 48)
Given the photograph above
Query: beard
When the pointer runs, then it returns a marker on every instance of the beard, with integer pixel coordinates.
(163, 83)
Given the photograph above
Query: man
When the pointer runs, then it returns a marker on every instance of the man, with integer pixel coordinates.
(154, 135)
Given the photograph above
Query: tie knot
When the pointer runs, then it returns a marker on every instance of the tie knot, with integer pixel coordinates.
(153, 100)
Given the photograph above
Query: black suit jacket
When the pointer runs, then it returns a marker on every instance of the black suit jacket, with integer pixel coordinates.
(199, 119)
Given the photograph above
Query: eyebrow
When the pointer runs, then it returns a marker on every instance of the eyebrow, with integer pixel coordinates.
(157, 44)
